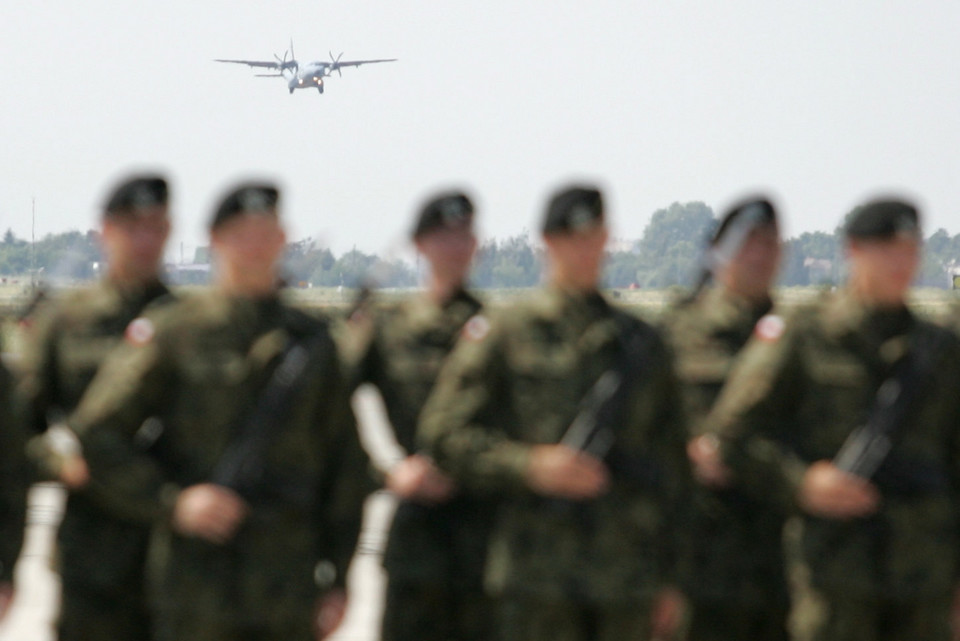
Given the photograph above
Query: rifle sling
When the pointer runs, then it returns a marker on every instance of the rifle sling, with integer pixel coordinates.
(241, 467)
(868, 446)
(604, 406)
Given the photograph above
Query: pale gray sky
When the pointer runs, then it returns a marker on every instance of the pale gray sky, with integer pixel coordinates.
(821, 102)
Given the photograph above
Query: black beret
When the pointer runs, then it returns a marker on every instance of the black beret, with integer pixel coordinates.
(451, 210)
(751, 212)
(247, 198)
(135, 194)
(573, 209)
(883, 219)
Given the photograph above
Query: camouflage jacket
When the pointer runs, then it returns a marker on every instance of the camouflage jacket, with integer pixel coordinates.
(69, 340)
(13, 480)
(410, 341)
(801, 387)
(199, 366)
(735, 554)
(519, 383)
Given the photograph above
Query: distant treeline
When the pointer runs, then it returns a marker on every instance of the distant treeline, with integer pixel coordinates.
(667, 254)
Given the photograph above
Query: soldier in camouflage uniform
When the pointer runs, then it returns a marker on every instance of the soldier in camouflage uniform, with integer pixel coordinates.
(882, 546)
(13, 489)
(256, 522)
(733, 574)
(584, 547)
(436, 545)
(101, 558)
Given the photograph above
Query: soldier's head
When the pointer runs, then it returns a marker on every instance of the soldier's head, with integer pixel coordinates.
(246, 236)
(575, 234)
(747, 247)
(883, 239)
(135, 225)
(444, 234)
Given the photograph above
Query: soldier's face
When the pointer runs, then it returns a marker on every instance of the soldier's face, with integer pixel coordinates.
(883, 270)
(250, 242)
(753, 269)
(134, 244)
(577, 258)
(449, 251)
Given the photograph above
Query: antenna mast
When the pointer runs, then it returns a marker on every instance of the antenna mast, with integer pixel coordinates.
(33, 242)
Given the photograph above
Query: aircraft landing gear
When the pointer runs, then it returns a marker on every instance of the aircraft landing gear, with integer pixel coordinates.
(320, 89)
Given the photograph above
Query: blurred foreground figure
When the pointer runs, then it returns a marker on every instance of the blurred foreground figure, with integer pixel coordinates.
(101, 558)
(850, 413)
(733, 573)
(251, 470)
(568, 411)
(437, 542)
(13, 489)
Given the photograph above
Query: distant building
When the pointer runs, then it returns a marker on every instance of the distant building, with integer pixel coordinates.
(819, 270)
(621, 245)
(195, 273)
(953, 271)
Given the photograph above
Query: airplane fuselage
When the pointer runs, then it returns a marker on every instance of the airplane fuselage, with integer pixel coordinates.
(308, 76)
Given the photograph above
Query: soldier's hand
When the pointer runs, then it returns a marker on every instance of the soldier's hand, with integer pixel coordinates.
(562, 472)
(827, 491)
(6, 598)
(74, 472)
(209, 511)
(708, 468)
(331, 609)
(666, 614)
(416, 478)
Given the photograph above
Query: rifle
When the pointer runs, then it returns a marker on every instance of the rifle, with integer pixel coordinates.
(604, 407)
(587, 433)
(868, 446)
(242, 467)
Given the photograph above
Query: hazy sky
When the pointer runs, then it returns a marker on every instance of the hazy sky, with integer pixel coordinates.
(820, 102)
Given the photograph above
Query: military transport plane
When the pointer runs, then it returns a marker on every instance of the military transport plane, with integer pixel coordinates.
(308, 75)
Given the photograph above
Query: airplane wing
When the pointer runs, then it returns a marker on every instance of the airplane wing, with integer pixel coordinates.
(357, 63)
(253, 63)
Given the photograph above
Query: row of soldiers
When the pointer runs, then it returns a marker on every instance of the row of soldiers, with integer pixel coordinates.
(566, 470)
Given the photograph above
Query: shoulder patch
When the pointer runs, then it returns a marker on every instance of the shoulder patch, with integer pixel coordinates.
(476, 328)
(140, 331)
(770, 328)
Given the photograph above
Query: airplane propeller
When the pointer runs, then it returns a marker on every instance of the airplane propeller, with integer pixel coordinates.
(336, 62)
(283, 62)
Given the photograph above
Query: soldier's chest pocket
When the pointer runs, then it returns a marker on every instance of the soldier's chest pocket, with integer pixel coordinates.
(222, 369)
(709, 369)
(546, 377)
(838, 372)
(77, 353)
(416, 365)
(842, 389)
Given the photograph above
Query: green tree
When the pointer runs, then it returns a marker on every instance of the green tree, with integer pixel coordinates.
(512, 262)
(813, 258)
(938, 253)
(672, 243)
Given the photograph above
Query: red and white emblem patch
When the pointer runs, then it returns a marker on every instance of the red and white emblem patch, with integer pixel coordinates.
(770, 328)
(140, 331)
(476, 329)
